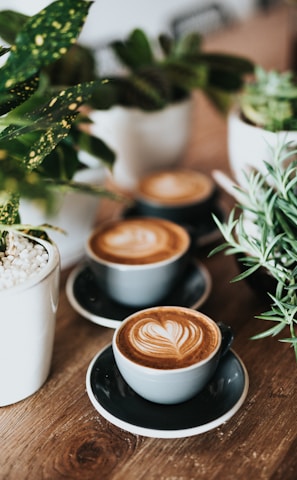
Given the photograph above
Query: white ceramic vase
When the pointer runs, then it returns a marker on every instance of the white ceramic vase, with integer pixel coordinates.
(249, 146)
(27, 327)
(75, 213)
(143, 141)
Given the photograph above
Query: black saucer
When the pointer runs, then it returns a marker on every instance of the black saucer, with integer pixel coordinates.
(91, 302)
(203, 232)
(119, 404)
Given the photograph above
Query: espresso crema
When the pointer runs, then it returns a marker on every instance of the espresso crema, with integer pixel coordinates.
(175, 187)
(139, 241)
(167, 338)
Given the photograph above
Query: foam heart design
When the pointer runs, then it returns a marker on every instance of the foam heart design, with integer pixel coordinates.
(169, 338)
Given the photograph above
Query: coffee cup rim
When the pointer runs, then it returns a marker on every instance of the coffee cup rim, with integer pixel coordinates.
(137, 266)
(159, 371)
(146, 199)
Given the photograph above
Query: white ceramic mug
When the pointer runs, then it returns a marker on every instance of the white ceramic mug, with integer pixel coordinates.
(168, 354)
(137, 261)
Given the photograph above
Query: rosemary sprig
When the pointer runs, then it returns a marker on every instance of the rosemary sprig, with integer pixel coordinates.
(262, 232)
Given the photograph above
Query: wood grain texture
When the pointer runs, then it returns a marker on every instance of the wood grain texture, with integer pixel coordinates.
(57, 434)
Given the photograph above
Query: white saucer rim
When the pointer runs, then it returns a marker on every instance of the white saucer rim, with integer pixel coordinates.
(169, 434)
(113, 323)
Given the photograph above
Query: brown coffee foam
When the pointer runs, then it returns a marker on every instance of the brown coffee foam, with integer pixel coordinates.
(175, 187)
(167, 347)
(139, 241)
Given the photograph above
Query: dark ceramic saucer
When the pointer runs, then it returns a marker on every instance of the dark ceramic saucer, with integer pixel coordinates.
(91, 302)
(119, 404)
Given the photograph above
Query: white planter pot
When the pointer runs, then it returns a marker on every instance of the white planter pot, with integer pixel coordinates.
(143, 141)
(75, 214)
(249, 146)
(27, 327)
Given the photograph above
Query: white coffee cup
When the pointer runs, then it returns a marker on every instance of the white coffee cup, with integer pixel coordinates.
(167, 354)
(137, 261)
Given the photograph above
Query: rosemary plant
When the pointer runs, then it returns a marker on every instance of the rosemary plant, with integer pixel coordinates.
(270, 205)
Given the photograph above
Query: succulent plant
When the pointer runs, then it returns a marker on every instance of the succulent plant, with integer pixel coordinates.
(269, 100)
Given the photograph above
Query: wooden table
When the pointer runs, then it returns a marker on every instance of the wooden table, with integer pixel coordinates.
(57, 434)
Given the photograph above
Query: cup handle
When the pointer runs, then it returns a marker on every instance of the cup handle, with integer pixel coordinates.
(227, 338)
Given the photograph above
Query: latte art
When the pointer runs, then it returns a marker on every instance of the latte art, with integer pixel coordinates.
(175, 187)
(167, 338)
(133, 240)
(139, 241)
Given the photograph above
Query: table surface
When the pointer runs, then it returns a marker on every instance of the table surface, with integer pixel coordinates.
(58, 434)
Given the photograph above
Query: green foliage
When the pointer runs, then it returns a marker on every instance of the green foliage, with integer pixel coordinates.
(44, 38)
(169, 71)
(35, 119)
(270, 100)
(270, 203)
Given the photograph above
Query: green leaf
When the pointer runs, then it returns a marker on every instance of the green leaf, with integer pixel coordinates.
(187, 45)
(49, 124)
(270, 332)
(245, 273)
(136, 90)
(185, 76)
(11, 22)
(45, 38)
(166, 44)
(95, 146)
(135, 52)
(289, 340)
(225, 62)
(15, 96)
(61, 163)
(9, 209)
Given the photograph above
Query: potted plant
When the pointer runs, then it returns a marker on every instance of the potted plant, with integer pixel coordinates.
(263, 237)
(265, 111)
(30, 131)
(145, 112)
(80, 158)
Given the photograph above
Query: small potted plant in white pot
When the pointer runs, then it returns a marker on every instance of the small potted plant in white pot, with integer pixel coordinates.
(145, 114)
(265, 111)
(262, 234)
(30, 132)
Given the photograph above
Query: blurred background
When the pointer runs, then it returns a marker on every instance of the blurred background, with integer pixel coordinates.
(113, 19)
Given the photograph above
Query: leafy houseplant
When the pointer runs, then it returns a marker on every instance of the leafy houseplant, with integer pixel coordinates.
(271, 208)
(60, 171)
(266, 109)
(157, 74)
(30, 131)
(145, 113)
(153, 74)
